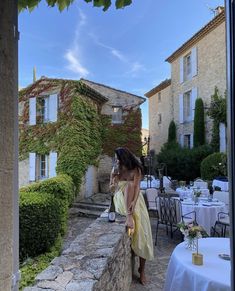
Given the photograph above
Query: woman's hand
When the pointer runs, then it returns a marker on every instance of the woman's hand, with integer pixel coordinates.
(129, 221)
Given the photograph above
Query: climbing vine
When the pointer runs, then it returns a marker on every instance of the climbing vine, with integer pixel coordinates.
(80, 134)
(217, 112)
(128, 134)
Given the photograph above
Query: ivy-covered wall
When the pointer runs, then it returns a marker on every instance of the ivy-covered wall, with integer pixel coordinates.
(80, 134)
(128, 134)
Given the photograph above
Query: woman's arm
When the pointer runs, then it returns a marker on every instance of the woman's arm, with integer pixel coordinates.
(113, 181)
(136, 190)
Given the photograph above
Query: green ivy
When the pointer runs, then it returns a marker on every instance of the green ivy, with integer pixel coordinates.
(128, 134)
(218, 112)
(81, 133)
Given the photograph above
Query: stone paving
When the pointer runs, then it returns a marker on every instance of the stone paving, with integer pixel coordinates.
(155, 270)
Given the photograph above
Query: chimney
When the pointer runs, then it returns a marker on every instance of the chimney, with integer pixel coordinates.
(218, 10)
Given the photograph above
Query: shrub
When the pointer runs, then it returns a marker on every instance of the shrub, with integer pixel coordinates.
(60, 187)
(199, 124)
(214, 165)
(39, 223)
(183, 163)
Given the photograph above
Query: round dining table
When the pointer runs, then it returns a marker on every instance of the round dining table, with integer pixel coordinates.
(213, 275)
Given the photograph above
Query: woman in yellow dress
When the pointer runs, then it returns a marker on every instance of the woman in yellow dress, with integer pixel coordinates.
(125, 179)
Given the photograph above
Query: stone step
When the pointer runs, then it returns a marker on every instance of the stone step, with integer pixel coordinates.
(91, 206)
(77, 211)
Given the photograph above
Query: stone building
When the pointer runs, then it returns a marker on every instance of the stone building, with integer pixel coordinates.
(197, 67)
(42, 105)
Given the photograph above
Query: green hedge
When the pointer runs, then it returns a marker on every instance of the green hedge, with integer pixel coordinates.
(60, 187)
(39, 223)
(214, 165)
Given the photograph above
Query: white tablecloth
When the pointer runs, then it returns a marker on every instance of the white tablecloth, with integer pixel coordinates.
(186, 193)
(221, 184)
(213, 275)
(206, 216)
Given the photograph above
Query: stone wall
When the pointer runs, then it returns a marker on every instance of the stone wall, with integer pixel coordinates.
(104, 170)
(99, 259)
(159, 130)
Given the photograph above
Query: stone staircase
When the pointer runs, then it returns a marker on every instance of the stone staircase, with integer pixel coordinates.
(90, 207)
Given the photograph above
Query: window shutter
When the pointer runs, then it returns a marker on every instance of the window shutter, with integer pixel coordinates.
(193, 100)
(52, 164)
(32, 166)
(53, 107)
(191, 141)
(32, 111)
(181, 141)
(222, 136)
(181, 70)
(194, 61)
(181, 108)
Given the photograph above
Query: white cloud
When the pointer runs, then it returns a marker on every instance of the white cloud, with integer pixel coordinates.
(73, 55)
(74, 63)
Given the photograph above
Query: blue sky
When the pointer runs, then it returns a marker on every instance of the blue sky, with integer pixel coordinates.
(125, 49)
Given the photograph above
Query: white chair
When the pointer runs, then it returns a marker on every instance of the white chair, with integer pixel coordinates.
(222, 196)
(151, 195)
(199, 183)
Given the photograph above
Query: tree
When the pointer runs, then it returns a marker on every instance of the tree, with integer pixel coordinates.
(62, 4)
(199, 124)
(172, 132)
(9, 209)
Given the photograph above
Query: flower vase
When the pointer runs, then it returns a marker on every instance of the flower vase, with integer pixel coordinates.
(190, 243)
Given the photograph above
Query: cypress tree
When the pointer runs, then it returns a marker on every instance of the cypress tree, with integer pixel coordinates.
(199, 124)
(172, 132)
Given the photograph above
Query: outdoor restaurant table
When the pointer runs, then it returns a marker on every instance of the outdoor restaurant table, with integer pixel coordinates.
(206, 212)
(213, 275)
(188, 192)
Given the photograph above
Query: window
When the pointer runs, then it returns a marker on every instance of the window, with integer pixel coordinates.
(159, 97)
(117, 114)
(42, 166)
(159, 118)
(43, 112)
(187, 106)
(187, 67)
(187, 140)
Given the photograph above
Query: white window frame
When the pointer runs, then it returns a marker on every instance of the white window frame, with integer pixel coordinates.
(45, 115)
(116, 115)
(187, 71)
(40, 176)
(187, 141)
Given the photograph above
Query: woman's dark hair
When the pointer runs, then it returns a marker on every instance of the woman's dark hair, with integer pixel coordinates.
(128, 159)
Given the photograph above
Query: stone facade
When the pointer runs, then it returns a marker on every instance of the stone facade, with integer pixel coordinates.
(161, 113)
(209, 47)
(23, 172)
(211, 72)
(98, 259)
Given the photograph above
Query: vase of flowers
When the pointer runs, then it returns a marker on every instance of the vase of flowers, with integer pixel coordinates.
(196, 194)
(191, 234)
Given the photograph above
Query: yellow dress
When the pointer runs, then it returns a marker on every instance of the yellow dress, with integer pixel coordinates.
(142, 243)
